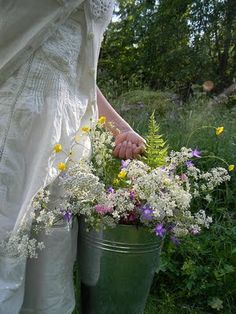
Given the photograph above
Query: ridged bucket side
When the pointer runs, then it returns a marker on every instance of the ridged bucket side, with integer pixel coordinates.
(116, 268)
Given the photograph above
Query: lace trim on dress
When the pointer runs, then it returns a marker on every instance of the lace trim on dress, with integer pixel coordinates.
(100, 8)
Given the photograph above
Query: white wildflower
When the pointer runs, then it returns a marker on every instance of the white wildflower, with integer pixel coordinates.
(202, 219)
(208, 198)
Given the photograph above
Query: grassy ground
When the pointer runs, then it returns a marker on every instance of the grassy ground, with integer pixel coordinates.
(178, 121)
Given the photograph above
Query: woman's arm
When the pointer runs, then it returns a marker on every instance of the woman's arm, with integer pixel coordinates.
(128, 143)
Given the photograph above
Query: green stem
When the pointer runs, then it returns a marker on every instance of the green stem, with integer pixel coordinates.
(194, 131)
(216, 157)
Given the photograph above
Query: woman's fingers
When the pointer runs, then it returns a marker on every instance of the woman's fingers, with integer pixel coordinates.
(129, 150)
(117, 150)
(122, 152)
(120, 138)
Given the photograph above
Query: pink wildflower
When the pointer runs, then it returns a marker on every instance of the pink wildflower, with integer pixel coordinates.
(101, 209)
(183, 177)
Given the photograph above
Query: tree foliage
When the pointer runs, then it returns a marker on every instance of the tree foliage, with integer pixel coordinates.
(171, 44)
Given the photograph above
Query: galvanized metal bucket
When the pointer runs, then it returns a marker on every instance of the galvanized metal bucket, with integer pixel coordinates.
(116, 269)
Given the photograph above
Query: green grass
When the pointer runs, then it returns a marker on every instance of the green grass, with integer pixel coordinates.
(178, 121)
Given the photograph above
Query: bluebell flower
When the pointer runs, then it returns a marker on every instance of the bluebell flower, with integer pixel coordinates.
(160, 230)
(67, 215)
(110, 190)
(196, 153)
(146, 213)
(189, 163)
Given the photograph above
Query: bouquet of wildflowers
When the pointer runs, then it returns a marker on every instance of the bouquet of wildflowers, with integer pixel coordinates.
(155, 191)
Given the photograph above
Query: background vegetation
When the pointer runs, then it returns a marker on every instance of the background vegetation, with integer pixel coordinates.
(197, 276)
(170, 44)
(156, 55)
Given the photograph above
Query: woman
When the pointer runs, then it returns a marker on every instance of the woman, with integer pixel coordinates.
(48, 60)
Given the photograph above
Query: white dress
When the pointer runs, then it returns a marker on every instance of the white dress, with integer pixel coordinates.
(46, 101)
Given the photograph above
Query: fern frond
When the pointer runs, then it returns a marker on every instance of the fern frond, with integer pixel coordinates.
(156, 151)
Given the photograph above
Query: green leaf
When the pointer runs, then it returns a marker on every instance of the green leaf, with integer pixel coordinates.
(156, 151)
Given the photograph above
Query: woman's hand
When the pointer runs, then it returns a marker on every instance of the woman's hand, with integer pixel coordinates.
(128, 145)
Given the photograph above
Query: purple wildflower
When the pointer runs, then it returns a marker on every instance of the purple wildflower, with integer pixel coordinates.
(175, 240)
(171, 227)
(132, 195)
(124, 164)
(67, 215)
(196, 153)
(146, 213)
(160, 230)
(189, 163)
(110, 190)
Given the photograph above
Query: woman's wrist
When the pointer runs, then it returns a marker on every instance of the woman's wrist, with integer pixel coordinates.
(114, 122)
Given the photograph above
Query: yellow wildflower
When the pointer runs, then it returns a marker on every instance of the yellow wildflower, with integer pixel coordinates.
(61, 166)
(102, 120)
(57, 148)
(231, 167)
(122, 174)
(85, 129)
(219, 130)
(115, 181)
